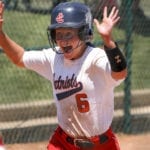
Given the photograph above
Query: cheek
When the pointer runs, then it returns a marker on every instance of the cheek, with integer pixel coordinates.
(75, 42)
(58, 42)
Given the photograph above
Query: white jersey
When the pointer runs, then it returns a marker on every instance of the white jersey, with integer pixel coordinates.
(82, 89)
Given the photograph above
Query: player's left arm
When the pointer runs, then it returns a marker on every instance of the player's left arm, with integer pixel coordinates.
(115, 56)
(117, 62)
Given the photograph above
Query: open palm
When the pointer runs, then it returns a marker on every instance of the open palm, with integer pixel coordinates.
(105, 27)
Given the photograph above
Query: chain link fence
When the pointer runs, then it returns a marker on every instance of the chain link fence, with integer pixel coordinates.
(27, 111)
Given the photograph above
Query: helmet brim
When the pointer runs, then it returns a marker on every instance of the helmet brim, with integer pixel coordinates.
(66, 25)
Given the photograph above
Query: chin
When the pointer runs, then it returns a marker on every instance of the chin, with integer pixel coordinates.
(68, 56)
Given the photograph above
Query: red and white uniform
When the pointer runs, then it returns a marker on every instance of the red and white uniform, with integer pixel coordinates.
(83, 89)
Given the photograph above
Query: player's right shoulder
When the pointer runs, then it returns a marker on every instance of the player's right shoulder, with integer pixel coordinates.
(38, 56)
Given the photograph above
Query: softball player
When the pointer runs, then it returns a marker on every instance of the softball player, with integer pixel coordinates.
(83, 77)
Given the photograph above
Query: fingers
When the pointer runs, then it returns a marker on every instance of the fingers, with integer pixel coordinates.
(1, 7)
(116, 20)
(113, 14)
(96, 22)
(1, 10)
(105, 12)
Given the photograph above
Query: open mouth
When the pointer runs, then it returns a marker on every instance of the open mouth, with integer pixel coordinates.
(67, 49)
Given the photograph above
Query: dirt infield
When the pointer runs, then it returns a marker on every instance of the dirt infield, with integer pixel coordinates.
(127, 142)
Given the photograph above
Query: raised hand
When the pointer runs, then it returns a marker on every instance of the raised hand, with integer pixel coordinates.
(105, 27)
(1, 14)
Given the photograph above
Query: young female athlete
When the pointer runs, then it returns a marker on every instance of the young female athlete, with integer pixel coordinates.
(83, 77)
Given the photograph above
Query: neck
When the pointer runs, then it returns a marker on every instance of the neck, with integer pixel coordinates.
(82, 49)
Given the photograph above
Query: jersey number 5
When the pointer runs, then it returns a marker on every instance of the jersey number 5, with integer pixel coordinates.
(82, 103)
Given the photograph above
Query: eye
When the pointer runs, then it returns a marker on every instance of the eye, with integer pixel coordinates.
(59, 36)
(65, 36)
(69, 35)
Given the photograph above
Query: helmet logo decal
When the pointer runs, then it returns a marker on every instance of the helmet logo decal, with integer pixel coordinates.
(60, 18)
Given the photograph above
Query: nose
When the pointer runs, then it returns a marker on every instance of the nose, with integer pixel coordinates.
(64, 42)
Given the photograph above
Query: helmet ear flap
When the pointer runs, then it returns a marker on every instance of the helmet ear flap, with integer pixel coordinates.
(53, 35)
(85, 33)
